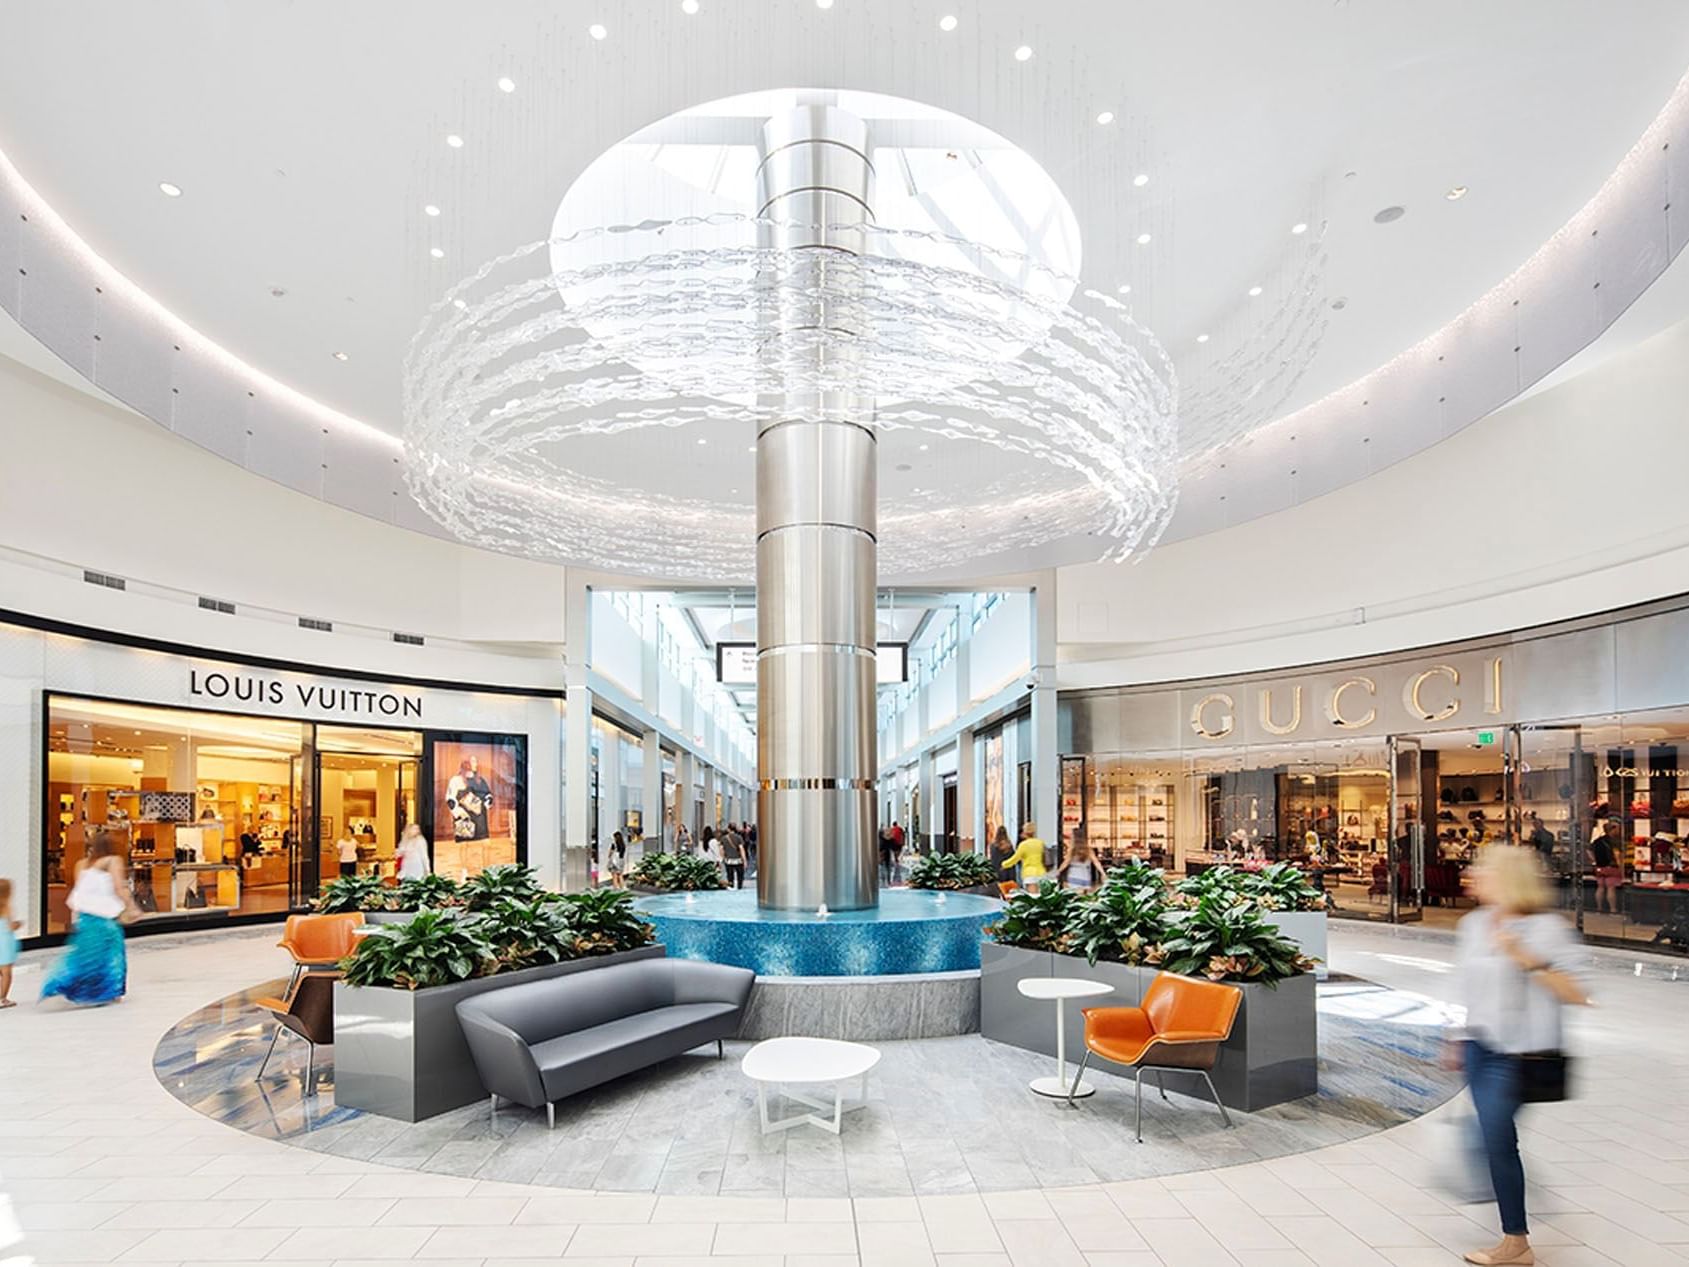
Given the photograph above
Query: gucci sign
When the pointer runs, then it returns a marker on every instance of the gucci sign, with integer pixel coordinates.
(1431, 695)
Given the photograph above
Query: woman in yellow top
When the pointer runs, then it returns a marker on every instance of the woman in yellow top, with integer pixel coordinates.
(1029, 857)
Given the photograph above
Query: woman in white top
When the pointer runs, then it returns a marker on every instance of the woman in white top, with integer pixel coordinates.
(95, 968)
(412, 854)
(1518, 966)
(348, 848)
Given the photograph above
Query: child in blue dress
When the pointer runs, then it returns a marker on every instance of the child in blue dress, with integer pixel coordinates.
(8, 943)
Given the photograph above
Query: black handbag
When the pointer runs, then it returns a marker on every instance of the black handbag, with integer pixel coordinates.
(1544, 1077)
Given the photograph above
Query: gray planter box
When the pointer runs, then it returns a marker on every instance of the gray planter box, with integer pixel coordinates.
(1308, 929)
(1272, 1055)
(401, 1053)
(1008, 1016)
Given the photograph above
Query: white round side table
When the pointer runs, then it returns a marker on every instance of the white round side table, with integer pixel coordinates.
(1061, 989)
(781, 1062)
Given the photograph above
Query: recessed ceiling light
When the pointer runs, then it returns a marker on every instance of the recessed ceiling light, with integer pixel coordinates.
(341, 356)
(1389, 215)
(823, 4)
(1202, 338)
(947, 22)
(431, 209)
(454, 140)
(1254, 291)
(1456, 194)
(1023, 53)
(1300, 227)
(1141, 179)
(1106, 117)
(597, 31)
(506, 84)
(701, 440)
(436, 252)
(1125, 288)
(925, 447)
(689, 6)
(169, 190)
(1143, 239)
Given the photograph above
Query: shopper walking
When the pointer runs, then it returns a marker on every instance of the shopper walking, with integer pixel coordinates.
(1605, 851)
(733, 857)
(898, 840)
(412, 854)
(348, 853)
(616, 859)
(1029, 857)
(710, 847)
(1518, 966)
(1081, 869)
(8, 943)
(94, 967)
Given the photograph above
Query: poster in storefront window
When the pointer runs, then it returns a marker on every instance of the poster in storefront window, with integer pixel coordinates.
(993, 785)
(477, 804)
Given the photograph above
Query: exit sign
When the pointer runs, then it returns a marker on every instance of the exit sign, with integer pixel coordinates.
(1486, 738)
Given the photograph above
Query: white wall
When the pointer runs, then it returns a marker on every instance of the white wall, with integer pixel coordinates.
(1000, 650)
(90, 484)
(1568, 502)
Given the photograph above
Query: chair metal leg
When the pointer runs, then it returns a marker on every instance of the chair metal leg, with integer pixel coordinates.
(492, 1108)
(275, 1034)
(550, 1115)
(294, 979)
(1224, 1116)
(1161, 1081)
(1138, 1094)
(720, 1051)
(310, 1069)
(1078, 1077)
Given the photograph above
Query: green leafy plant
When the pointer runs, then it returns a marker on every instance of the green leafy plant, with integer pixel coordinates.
(1225, 938)
(510, 882)
(1037, 921)
(428, 892)
(676, 871)
(1121, 921)
(434, 948)
(1133, 874)
(604, 921)
(951, 871)
(1282, 887)
(353, 893)
(1215, 881)
(528, 934)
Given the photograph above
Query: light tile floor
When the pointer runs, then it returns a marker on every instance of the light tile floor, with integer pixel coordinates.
(102, 1165)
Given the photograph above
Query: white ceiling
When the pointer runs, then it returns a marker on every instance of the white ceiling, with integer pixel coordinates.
(308, 137)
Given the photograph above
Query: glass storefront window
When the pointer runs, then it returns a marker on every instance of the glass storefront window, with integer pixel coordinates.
(203, 807)
(478, 799)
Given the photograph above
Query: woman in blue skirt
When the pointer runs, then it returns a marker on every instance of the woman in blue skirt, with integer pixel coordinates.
(94, 968)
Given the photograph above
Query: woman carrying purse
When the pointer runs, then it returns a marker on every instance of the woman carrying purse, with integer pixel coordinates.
(1517, 966)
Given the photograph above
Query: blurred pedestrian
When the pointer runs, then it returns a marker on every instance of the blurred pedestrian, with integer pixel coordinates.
(8, 943)
(412, 854)
(94, 967)
(1518, 965)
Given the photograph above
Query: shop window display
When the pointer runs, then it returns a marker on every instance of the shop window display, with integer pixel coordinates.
(477, 804)
(202, 807)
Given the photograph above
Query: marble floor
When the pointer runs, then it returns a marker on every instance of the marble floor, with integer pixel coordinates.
(100, 1163)
(943, 1115)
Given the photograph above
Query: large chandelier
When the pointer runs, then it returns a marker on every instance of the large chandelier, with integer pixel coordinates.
(698, 321)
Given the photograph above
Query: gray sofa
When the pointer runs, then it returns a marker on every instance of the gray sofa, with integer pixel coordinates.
(540, 1042)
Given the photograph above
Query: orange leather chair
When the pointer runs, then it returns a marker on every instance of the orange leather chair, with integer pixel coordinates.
(308, 1011)
(318, 941)
(1179, 1025)
(1007, 888)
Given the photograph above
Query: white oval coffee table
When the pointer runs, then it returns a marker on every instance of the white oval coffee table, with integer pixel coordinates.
(1061, 989)
(785, 1062)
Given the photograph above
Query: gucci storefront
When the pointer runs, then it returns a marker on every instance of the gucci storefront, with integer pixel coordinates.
(235, 790)
(1385, 775)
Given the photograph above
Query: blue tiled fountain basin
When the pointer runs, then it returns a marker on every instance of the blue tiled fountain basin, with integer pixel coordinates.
(912, 930)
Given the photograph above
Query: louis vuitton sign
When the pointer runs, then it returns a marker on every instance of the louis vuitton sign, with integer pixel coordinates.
(1447, 693)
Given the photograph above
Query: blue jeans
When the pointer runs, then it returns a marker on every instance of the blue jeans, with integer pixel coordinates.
(1493, 1078)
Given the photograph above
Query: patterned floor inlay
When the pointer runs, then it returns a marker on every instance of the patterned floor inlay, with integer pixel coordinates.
(944, 1115)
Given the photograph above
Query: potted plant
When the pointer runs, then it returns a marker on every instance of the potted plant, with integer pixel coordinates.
(674, 872)
(1026, 941)
(1296, 907)
(352, 893)
(511, 881)
(399, 1050)
(954, 873)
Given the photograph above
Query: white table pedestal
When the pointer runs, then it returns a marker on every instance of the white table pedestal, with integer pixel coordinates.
(1061, 989)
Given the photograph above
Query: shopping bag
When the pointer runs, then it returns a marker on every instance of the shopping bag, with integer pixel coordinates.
(1461, 1172)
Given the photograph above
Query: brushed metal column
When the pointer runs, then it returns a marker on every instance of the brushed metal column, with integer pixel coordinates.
(816, 542)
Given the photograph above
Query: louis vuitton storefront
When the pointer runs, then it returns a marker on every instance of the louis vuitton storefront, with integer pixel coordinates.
(1386, 774)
